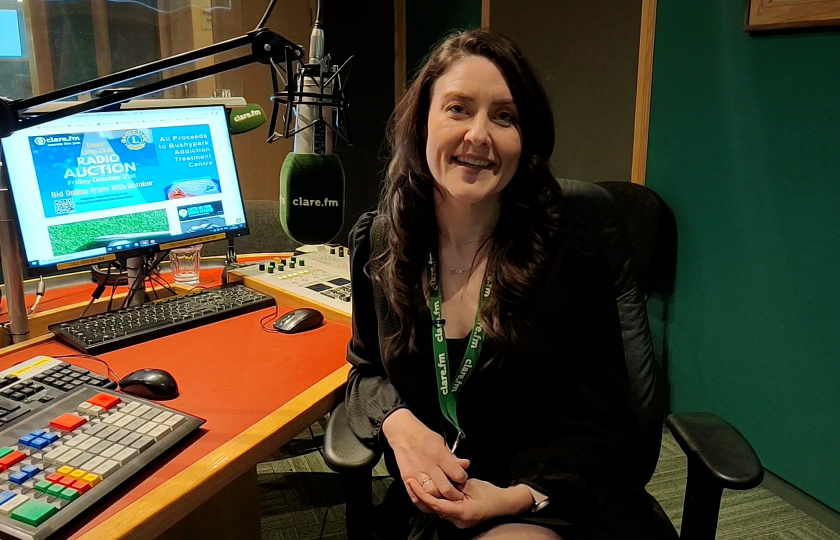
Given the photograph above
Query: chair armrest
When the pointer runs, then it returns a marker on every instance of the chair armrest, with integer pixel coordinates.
(343, 451)
(720, 448)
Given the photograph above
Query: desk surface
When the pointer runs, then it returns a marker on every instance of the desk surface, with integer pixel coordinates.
(256, 390)
(57, 298)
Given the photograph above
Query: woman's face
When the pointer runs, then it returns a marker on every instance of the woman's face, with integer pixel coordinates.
(473, 141)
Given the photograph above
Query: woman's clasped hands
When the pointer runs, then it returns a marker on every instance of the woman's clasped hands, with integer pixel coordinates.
(437, 481)
(422, 455)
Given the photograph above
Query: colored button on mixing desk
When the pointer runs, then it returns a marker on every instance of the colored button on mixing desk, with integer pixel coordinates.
(34, 512)
(10, 459)
(79, 485)
(67, 422)
(106, 401)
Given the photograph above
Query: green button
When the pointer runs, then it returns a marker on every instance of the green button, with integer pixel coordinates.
(33, 512)
(43, 486)
(69, 493)
(55, 489)
(5, 451)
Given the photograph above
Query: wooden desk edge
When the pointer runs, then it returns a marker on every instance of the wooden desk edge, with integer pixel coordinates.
(162, 507)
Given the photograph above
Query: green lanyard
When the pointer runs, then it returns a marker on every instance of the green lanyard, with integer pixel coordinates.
(448, 387)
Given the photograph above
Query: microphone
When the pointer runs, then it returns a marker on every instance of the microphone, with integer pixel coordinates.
(312, 178)
(312, 197)
(246, 118)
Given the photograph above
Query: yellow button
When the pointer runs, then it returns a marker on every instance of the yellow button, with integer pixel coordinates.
(78, 474)
(65, 470)
(92, 479)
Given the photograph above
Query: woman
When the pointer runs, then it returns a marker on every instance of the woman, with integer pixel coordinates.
(471, 288)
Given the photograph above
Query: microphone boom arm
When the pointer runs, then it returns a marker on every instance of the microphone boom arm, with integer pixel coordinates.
(266, 47)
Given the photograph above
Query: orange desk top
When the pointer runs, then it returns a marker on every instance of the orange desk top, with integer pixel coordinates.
(231, 373)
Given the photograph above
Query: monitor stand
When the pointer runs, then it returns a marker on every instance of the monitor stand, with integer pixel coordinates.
(134, 264)
(11, 260)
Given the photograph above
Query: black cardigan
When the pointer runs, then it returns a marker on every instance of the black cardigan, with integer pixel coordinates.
(555, 415)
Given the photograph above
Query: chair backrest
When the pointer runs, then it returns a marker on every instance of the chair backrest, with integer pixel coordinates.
(607, 215)
(267, 235)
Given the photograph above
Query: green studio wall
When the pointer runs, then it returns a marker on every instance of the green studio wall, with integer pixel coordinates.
(428, 21)
(745, 148)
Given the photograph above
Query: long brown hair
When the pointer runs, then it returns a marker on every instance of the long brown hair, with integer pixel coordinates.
(531, 204)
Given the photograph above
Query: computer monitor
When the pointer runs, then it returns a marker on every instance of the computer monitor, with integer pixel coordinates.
(101, 186)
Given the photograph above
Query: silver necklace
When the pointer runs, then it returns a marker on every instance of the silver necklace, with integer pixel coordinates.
(457, 271)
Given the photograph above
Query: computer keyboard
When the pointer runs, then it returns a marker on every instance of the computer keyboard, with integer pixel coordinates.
(108, 331)
(63, 455)
(31, 384)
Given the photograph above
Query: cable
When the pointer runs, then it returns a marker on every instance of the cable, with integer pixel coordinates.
(39, 293)
(267, 317)
(317, 446)
(152, 284)
(132, 285)
(266, 15)
(113, 290)
(143, 271)
(107, 366)
(97, 292)
(162, 282)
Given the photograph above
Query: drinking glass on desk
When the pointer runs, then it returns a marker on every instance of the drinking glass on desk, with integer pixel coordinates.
(185, 264)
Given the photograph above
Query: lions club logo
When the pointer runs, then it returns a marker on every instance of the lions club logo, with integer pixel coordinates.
(134, 139)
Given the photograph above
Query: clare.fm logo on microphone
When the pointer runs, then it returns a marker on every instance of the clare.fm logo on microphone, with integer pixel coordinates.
(326, 202)
(246, 115)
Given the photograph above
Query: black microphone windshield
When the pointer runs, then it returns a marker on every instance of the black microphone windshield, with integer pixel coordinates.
(312, 197)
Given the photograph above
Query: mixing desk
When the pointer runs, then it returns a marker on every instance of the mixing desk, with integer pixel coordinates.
(321, 278)
(67, 444)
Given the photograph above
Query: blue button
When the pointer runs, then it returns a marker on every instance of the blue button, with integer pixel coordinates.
(26, 439)
(38, 433)
(39, 442)
(7, 496)
(18, 477)
(51, 437)
(30, 470)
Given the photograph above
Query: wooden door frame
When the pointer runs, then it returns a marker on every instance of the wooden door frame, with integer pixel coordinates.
(644, 78)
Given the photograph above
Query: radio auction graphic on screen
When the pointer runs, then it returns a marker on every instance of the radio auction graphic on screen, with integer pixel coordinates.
(85, 172)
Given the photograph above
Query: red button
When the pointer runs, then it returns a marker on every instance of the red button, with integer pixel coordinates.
(67, 481)
(106, 401)
(55, 478)
(80, 486)
(67, 422)
(10, 459)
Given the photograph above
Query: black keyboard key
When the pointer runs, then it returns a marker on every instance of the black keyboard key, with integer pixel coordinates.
(17, 396)
(45, 399)
(17, 414)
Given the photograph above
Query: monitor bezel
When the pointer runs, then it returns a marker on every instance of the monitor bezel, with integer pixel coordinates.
(122, 256)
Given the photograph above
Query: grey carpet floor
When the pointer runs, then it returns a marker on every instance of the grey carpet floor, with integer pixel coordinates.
(301, 499)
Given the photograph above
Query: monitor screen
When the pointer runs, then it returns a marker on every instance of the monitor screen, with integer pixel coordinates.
(97, 186)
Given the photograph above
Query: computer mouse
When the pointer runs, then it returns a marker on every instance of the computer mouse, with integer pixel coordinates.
(150, 383)
(299, 320)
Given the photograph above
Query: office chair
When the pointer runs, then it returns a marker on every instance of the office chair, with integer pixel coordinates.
(267, 236)
(636, 228)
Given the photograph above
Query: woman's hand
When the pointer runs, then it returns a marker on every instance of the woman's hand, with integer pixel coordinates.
(422, 456)
(482, 501)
